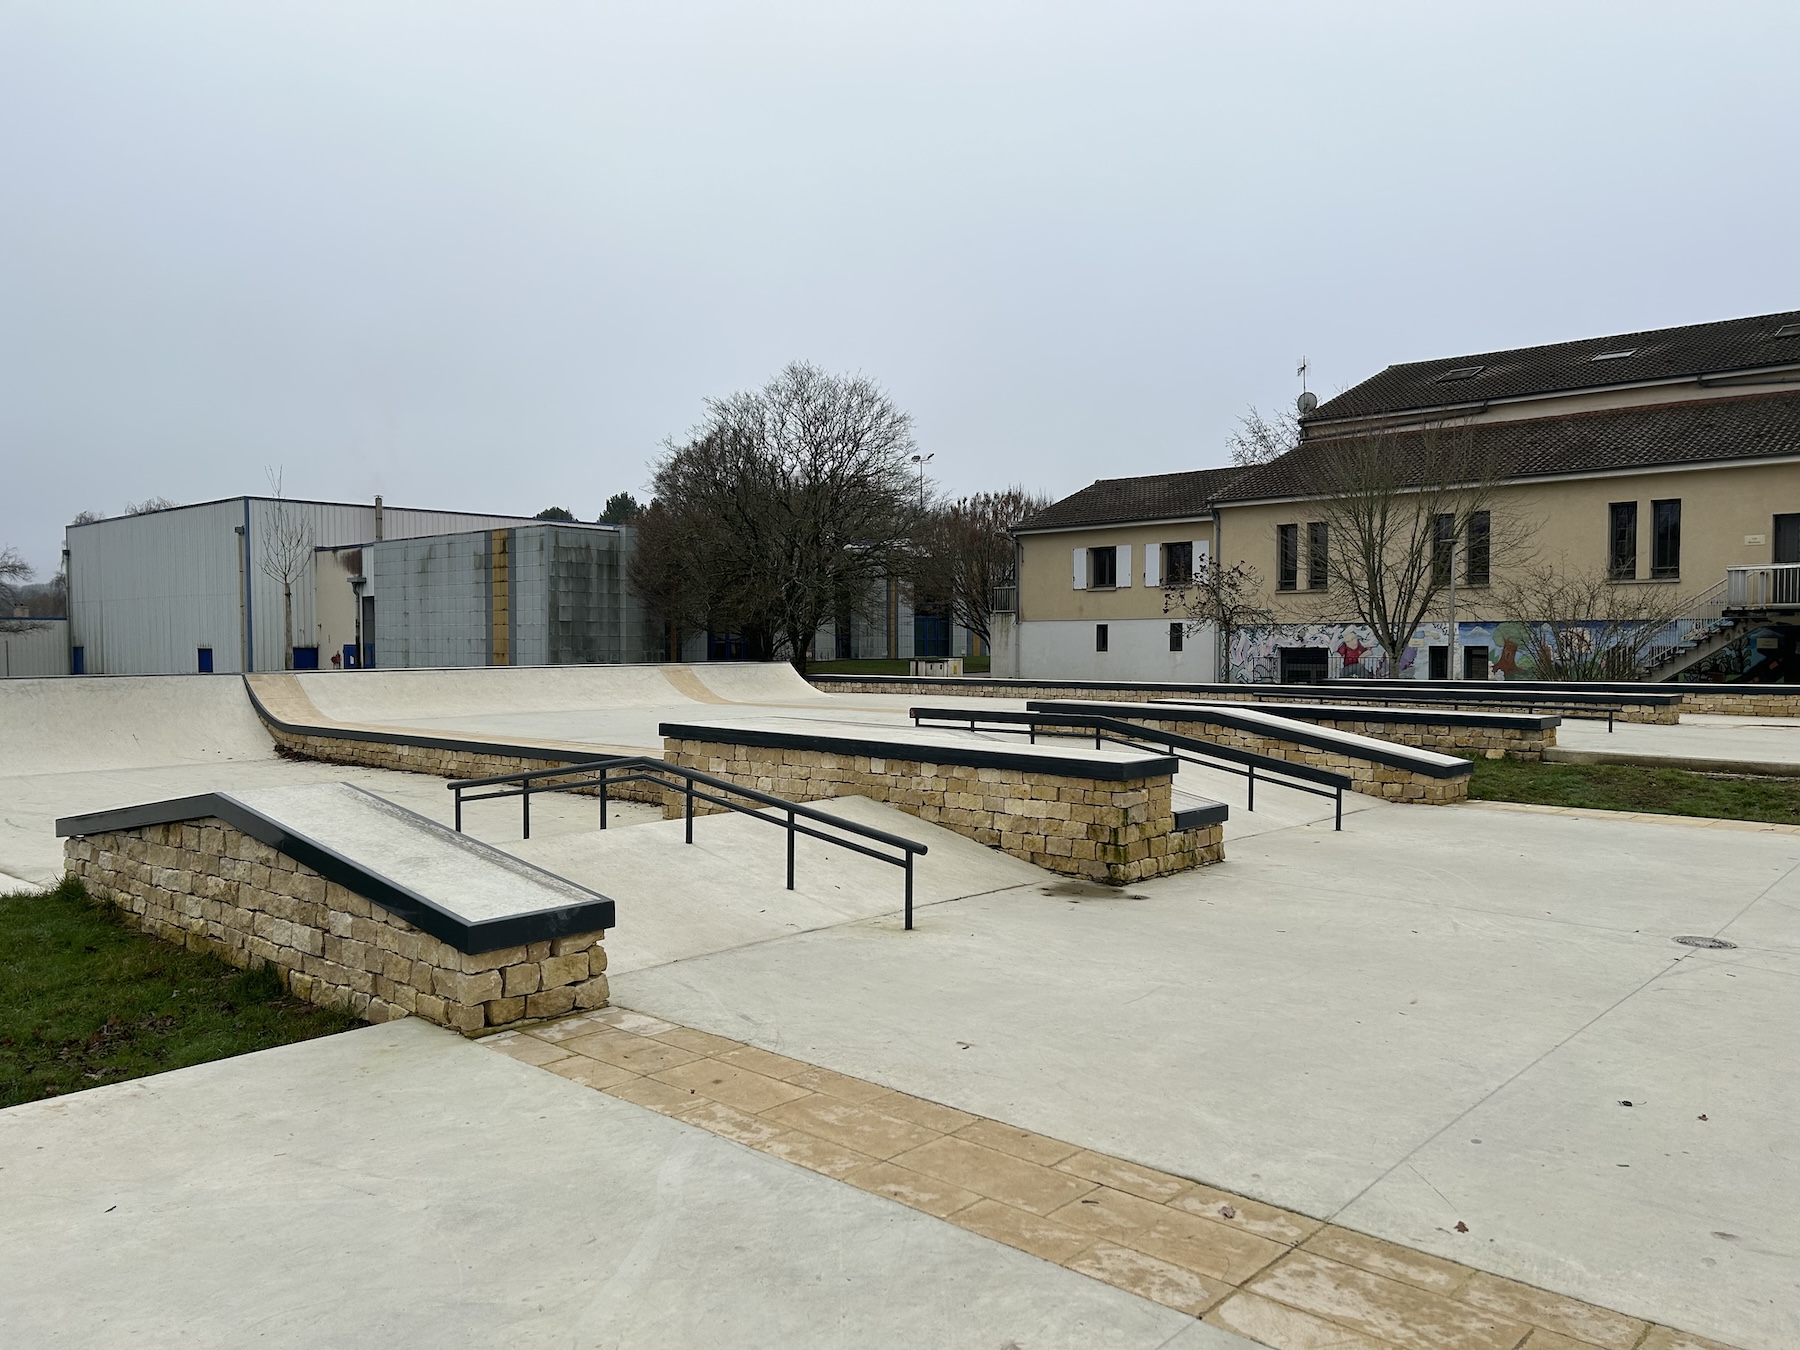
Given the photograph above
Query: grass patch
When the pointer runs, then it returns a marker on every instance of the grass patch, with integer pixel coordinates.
(1637, 787)
(84, 1000)
(972, 665)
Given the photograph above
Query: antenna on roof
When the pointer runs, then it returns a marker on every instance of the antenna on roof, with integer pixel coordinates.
(1307, 401)
(1305, 366)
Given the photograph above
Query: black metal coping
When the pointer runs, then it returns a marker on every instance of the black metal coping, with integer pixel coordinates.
(471, 937)
(335, 732)
(971, 756)
(1329, 712)
(1332, 742)
(1408, 691)
(1657, 693)
(1193, 817)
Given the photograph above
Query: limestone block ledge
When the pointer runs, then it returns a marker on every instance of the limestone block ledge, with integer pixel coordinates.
(209, 886)
(1115, 832)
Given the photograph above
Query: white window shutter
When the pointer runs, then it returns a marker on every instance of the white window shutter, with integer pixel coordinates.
(1152, 561)
(1124, 565)
(1202, 549)
(1081, 569)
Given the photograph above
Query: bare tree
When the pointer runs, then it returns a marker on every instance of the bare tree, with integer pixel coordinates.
(1401, 511)
(87, 517)
(965, 552)
(785, 505)
(14, 573)
(1259, 439)
(287, 552)
(148, 505)
(1581, 625)
(1226, 598)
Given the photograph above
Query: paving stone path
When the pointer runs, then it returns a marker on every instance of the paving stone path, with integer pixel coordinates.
(1269, 1274)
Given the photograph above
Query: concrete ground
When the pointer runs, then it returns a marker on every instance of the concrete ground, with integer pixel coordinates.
(1432, 1018)
(399, 1186)
(1755, 740)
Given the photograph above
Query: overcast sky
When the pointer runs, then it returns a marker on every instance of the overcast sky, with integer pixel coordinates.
(488, 256)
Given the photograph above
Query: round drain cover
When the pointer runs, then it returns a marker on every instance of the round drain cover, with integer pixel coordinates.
(1711, 944)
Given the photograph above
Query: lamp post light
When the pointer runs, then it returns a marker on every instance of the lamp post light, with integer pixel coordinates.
(922, 461)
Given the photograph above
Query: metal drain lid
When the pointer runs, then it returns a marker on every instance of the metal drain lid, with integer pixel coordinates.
(1711, 944)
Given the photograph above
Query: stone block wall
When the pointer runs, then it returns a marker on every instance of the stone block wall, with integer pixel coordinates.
(1366, 776)
(1527, 743)
(1112, 832)
(1740, 700)
(1234, 693)
(440, 761)
(209, 886)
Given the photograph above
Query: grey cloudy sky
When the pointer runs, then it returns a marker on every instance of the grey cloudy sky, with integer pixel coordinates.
(487, 256)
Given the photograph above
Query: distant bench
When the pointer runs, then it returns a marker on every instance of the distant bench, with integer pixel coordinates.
(301, 879)
(1108, 815)
(1376, 768)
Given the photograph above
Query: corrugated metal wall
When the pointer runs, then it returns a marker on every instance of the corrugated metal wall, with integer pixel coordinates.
(34, 652)
(431, 601)
(147, 592)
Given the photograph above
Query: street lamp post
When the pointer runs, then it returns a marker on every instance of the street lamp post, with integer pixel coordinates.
(922, 461)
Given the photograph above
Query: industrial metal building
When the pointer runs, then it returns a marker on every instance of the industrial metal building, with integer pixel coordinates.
(201, 588)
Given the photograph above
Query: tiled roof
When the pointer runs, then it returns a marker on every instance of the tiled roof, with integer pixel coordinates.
(1742, 427)
(1665, 353)
(1121, 501)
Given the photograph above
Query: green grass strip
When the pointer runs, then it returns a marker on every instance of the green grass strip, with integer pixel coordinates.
(1636, 787)
(85, 1000)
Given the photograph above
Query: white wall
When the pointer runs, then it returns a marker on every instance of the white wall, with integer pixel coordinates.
(37, 651)
(1137, 649)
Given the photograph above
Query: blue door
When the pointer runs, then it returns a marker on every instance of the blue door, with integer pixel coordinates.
(206, 661)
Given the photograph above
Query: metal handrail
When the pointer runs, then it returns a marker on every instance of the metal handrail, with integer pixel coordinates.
(1764, 585)
(614, 771)
(1121, 732)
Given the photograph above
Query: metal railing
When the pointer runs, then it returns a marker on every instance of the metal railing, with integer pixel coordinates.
(1705, 617)
(1187, 749)
(1770, 586)
(603, 775)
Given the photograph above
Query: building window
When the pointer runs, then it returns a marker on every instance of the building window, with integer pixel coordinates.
(1099, 637)
(1475, 663)
(1103, 567)
(1318, 555)
(1443, 548)
(205, 663)
(1175, 631)
(1665, 539)
(1178, 563)
(1475, 567)
(1287, 557)
(1621, 548)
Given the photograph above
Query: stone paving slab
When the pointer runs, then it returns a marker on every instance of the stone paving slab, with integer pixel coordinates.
(1279, 1277)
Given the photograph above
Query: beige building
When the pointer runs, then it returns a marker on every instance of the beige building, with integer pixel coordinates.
(1664, 465)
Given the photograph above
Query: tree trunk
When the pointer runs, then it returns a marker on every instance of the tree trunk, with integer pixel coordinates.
(287, 623)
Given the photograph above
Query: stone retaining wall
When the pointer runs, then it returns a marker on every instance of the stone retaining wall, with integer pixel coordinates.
(1235, 693)
(1741, 700)
(437, 760)
(209, 886)
(1449, 739)
(1116, 832)
(1366, 776)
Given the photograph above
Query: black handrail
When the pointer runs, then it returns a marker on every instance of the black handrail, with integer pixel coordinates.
(1121, 732)
(613, 771)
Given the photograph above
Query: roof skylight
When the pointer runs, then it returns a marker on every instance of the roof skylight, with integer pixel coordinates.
(1788, 330)
(1460, 373)
(1614, 356)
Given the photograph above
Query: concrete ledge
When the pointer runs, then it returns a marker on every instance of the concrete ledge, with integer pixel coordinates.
(1486, 735)
(186, 872)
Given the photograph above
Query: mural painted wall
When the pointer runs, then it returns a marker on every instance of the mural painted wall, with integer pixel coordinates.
(1353, 653)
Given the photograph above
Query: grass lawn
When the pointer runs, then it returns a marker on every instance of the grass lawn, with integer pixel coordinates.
(84, 1000)
(972, 665)
(1635, 787)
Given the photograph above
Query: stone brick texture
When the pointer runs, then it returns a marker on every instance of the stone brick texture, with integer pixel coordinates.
(1366, 776)
(1740, 700)
(1111, 832)
(211, 887)
(1246, 693)
(439, 761)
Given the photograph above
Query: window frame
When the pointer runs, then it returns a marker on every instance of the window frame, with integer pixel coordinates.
(1101, 637)
(1621, 529)
(1111, 553)
(1481, 527)
(1177, 635)
(1177, 576)
(1443, 547)
(1665, 539)
(1318, 555)
(1287, 557)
